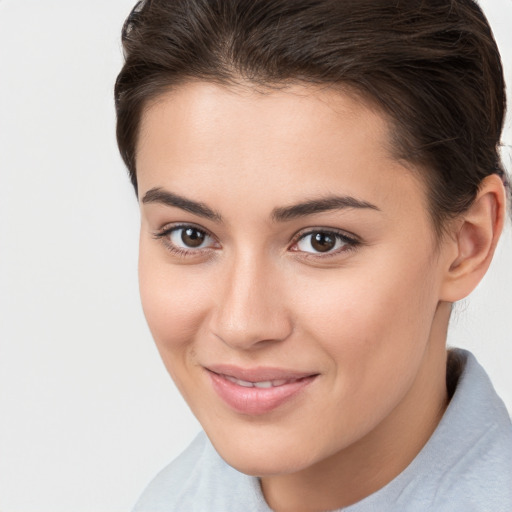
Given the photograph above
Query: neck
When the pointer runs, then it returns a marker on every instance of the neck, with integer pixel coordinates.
(372, 462)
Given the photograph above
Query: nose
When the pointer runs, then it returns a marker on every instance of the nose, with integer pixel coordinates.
(251, 311)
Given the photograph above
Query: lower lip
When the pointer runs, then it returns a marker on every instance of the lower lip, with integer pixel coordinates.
(255, 401)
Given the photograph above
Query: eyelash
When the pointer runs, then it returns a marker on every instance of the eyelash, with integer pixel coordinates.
(350, 243)
(164, 233)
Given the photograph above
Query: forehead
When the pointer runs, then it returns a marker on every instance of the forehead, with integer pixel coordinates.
(252, 117)
(279, 144)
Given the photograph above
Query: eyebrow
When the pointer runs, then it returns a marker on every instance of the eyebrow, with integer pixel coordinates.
(158, 195)
(282, 214)
(314, 206)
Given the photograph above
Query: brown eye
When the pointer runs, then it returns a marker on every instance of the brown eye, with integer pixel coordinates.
(318, 242)
(189, 237)
(323, 242)
(192, 237)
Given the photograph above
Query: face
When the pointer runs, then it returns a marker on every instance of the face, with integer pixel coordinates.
(288, 270)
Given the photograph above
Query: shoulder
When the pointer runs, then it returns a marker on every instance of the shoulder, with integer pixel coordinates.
(475, 439)
(468, 460)
(170, 482)
(466, 466)
(199, 480)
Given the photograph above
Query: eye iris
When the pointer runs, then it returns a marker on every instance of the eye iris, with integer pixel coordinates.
(192, 237)
(323, 242)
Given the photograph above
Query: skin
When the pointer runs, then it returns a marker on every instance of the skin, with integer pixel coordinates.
(370, 320)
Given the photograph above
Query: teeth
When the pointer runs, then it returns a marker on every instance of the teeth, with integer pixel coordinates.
(262, 385)
(244, 383)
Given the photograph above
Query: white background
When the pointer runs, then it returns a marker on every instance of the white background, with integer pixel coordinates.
(87, 411)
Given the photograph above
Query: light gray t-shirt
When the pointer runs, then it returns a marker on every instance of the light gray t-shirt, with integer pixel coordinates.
(466, 466)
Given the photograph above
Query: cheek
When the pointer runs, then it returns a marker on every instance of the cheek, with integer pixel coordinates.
(365, 302)
(174, 303)
(373, 322)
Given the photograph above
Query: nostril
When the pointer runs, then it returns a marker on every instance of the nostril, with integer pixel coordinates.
(246, 341)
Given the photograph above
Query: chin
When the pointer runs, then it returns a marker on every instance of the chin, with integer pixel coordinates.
(257, 456)
(265, 465)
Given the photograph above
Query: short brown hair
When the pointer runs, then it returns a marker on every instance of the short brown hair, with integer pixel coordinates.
(432, 66)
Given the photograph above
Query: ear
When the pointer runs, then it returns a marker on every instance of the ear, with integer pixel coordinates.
(474, 240)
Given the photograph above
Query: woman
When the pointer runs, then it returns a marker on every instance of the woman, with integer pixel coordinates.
(319, 182)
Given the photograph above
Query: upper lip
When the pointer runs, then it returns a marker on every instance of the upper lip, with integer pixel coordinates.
(259, 373)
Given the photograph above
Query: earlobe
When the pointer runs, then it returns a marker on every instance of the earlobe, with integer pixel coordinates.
(475, 240)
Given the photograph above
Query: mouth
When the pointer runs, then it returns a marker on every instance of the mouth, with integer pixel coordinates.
(264, 384)
(257, 391)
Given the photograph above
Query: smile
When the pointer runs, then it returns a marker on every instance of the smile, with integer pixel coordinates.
(265, 384)
(259, 391)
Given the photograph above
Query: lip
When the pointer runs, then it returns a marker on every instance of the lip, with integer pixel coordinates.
(255, 400)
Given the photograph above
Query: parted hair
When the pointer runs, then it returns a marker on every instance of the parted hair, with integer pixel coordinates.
(431, 66)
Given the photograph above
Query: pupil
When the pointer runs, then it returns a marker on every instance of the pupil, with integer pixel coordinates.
(192, 237)
(323, 242)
